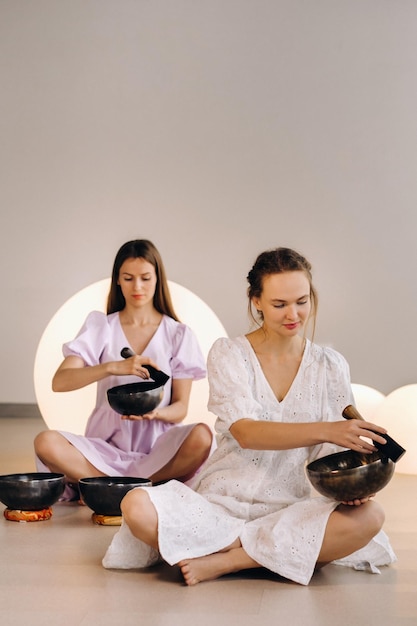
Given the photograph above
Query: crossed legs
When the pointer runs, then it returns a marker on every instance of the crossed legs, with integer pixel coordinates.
(349, 528)
(59, 455)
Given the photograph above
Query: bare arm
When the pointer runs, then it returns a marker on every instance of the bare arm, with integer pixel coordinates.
(264, 435)
(73, 373)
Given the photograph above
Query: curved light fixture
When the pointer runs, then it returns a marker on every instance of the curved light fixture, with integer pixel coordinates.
(398, 414)
(69, 411)
(367, 399)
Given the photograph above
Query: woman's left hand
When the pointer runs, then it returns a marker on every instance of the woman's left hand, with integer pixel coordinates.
(147, 416)
(358, 501)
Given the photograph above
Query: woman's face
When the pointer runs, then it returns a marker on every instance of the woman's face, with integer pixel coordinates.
(137, 280)
(285, 302)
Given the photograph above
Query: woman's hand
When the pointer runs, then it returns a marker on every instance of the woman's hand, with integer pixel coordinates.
(358, 501)
(132, 366)
(354, 434)
(147, 416)
(73, 373)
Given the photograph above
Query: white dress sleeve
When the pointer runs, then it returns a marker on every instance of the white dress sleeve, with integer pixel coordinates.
(336, 394)
(339, 389)
(231, 397)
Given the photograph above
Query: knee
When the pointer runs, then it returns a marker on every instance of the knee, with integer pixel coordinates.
(200, 440)
(138, 513)
(45, 443)
(134, 504)
(370, 520)
(377, 517)
(41, 442)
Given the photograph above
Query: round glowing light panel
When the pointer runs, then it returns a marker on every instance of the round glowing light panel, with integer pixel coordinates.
(367, 400)
(398, 414)
(70, 410)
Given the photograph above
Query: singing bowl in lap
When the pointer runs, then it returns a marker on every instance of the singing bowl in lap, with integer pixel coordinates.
(32, 491)
(103, 494)
(350, 475)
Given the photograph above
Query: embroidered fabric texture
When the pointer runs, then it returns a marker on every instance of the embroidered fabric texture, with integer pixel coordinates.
(127, 552)
(261, 496)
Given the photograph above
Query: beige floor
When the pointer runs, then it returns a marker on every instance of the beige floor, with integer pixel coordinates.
(51, 573)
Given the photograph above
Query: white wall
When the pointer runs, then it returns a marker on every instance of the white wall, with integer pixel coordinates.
(216, 128)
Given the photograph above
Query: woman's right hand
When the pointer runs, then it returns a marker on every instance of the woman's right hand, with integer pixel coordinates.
(133, 366)
(73, 373)
(354, 434)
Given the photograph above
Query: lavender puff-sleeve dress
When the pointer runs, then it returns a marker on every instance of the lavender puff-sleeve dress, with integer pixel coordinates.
(126, 447)
(261, 496)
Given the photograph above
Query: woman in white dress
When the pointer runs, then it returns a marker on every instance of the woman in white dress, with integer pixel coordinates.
(139, 316)
(279, 400)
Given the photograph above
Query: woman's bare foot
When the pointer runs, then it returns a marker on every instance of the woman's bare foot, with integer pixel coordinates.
(204, 568)
(212, 566)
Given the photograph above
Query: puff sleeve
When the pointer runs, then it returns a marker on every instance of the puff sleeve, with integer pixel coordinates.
(187, 359)
(231, 385)
(91, 339)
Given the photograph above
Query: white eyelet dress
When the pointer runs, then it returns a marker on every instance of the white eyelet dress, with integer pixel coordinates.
(261, 496)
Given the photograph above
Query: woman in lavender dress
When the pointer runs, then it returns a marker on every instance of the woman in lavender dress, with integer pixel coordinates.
(140, 316)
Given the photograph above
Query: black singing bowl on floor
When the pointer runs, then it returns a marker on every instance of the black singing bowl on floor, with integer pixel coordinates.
(31, 492)
(138, 398)
(103, 494)
(350, 475)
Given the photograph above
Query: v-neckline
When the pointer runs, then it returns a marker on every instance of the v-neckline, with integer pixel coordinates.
(150, 340)
(259, 366)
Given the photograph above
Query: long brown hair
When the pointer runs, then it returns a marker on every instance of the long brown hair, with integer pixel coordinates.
(278, 261)
(141, 249)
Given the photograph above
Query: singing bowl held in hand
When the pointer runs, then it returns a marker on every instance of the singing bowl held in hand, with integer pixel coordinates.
(32, 491)
(103, 494)
(138, 398)
(350, 475)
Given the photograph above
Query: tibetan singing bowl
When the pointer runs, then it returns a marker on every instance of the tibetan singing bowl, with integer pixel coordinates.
(103, 494)
(135, 398)
(31, 492)
(138, 398)
(350, 475)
